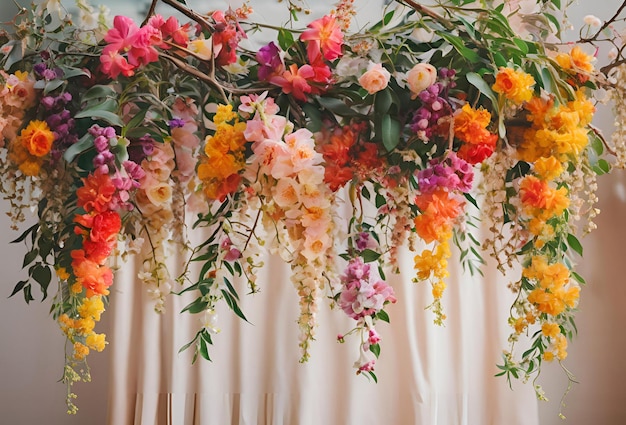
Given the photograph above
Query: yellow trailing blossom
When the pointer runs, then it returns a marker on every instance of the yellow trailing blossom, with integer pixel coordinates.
(554, 291)
(559, 131)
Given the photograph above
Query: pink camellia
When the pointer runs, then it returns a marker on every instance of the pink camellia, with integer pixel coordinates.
(375, 78)
(323, 35)
(420, 77)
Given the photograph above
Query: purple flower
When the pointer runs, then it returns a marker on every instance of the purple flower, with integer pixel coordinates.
(176, 123)
(269, 58)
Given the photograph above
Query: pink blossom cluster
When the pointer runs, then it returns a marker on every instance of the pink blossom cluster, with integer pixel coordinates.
(450, 173)
(130, 46)
(16, 95)
(295, 168)
(183, 130)
(364, 293)
(154, 196)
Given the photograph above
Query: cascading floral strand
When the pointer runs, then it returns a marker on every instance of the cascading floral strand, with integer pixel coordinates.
(162, 131)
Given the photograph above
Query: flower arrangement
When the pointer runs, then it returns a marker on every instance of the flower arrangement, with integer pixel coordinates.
(430, 120)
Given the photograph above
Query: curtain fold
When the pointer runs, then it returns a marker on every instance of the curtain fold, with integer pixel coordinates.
(427, 374)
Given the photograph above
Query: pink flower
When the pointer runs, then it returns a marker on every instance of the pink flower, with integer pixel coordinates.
(295, 81)
(120, 37)
(323, 35)
(114, 64)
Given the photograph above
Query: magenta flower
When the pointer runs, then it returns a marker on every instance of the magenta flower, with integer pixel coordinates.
(269, 58)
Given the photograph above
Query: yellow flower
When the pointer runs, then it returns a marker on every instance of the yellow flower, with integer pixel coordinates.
(548, 168)
(62, 273)
(515, 85)
(548, 356)
(96, 341)
(438, 289)
(91, 308)
(551, 330)
(80, 351)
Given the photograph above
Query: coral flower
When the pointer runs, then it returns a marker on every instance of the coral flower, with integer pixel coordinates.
(294, 80)
(323, 35)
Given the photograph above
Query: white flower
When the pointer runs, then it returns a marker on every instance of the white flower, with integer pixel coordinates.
(209, 321)
(592, 21)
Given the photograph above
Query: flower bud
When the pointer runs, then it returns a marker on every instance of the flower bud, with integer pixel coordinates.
(420, 77)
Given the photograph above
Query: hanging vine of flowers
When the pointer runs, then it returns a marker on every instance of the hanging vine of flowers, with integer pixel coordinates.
(119, 132)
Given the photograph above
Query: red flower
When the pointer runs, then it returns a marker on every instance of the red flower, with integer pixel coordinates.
(97, 192)
(105, 227)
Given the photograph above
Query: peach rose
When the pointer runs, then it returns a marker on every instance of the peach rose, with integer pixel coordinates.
(420, 77)
(375, 78)
(159, 194)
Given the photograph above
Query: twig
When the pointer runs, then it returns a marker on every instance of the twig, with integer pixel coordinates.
(605, 25)
(598, 133)
(429, 12)
(150, 12)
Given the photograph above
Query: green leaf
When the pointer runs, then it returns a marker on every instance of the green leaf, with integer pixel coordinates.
(391, 132)
(23, 236)
(336, 106)
(20, 285)
(459, 44)
(30, 257)
(375, 349)
(578, 277)
(52, 85)
(369, 255)
(314, 118)
(42, 275)
(79, 147)
(99, 92)
(285, 39)
(482, 86)
(232, 303)
(380, 200)
(383, 102)
(204, 351)
(387, 18)
(382, 315)
(28, 296)
(575, 244)
(196, 306)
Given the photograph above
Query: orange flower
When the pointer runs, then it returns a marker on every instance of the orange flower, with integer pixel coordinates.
(516, 85)
(438, 211)
(37, 138)
(97, 192)
(470, 126)
(533, 192)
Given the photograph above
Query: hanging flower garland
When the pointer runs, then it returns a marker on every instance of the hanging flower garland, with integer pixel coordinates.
(423, 124)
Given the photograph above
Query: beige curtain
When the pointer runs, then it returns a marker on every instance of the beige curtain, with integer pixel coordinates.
(427, 374)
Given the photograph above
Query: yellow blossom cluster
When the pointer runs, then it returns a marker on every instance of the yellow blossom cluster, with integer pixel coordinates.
(559, 131)
(516, 85)
(32, 145)
(434, 264)
(79, 330)
(224, 154)
(554, 291)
